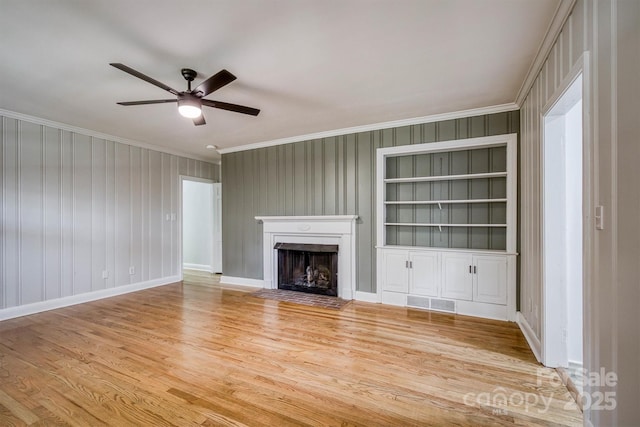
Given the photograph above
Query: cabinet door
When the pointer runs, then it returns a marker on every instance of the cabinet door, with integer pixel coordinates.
(490, 279)
(424, 274)
(396, 273)
(457, 281)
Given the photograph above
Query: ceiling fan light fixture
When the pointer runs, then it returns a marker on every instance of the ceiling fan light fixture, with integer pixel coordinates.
(189, 106)
(190, 101)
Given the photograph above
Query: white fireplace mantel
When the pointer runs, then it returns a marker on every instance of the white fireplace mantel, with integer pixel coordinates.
(325, 229)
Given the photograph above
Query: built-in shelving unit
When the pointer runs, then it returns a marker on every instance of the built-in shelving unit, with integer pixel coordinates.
(448, 205)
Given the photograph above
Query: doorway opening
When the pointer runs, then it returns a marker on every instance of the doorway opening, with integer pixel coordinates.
(563, 280)
(201, 229)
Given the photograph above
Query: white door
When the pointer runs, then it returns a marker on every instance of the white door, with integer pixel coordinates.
(424, 274)
(457, 276)
(396, 274)
(490, 279)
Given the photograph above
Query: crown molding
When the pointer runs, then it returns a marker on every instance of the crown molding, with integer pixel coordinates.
(562, 13)
(376, 126)
(94, 134)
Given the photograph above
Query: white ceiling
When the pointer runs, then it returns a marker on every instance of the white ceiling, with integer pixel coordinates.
(309, 65)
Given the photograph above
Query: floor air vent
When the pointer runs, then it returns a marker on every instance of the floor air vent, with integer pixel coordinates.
(431, 303)
(419, 302)
(443, 305)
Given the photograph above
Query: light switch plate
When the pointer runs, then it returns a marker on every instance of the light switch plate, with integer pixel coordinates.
(599, 216)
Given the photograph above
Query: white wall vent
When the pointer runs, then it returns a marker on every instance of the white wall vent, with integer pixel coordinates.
(443, 305)
(431, 303)
(418, 302)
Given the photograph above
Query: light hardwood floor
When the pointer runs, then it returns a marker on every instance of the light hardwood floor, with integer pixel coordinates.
(186, 354)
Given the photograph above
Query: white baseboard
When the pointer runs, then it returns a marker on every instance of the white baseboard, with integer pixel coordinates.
(367, 297)
(199, 267)
(230, 280)
(530, 336)
(38, 307)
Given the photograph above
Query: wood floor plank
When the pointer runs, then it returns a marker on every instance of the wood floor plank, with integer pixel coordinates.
(205, 353)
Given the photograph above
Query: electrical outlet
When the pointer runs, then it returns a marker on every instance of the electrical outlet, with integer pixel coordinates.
(105, 274)
(132, 270)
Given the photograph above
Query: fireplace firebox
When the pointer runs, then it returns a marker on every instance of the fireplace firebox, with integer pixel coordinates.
(308, 268)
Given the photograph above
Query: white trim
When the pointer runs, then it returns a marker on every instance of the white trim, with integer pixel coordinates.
(196, 179)
(199, 267)
(324, 218)
(38, 307)
(376, 126)
(180, 261)
(242, 281)
(560, 16)
(530, 336)
(367, 297)
(567, 82)
(99, 135)
(549, 333)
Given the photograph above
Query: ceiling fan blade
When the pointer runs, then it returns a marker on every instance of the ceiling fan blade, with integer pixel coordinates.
(231, 107)
(199, 121)
(215, 82)
(155, 101)
(143, 77)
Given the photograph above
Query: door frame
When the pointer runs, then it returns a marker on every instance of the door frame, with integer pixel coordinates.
(581, 68)
(181, 179)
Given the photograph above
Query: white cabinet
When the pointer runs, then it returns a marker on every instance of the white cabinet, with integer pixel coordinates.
(411, 272)
(466, 282)
(490, 279)
(396, 273)
(424, 273)
(481, 278)
(457, 279)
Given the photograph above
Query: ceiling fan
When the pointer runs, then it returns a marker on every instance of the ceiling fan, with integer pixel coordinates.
(190, 101)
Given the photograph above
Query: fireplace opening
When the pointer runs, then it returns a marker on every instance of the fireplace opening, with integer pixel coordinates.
(308, 268)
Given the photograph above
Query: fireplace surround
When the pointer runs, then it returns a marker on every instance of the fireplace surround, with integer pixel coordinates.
(338, 230)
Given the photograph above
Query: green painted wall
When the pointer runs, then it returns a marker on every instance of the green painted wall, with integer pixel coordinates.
(329, 176)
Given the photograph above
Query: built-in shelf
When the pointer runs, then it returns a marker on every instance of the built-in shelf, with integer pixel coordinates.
(441, 202)
(446, 226)
(418, 224)
(456, 194)
(446, 177)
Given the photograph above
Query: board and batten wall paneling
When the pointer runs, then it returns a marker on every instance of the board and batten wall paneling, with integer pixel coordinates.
(567, 50)
(74, 206)
(329, 176)
(609, 31)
